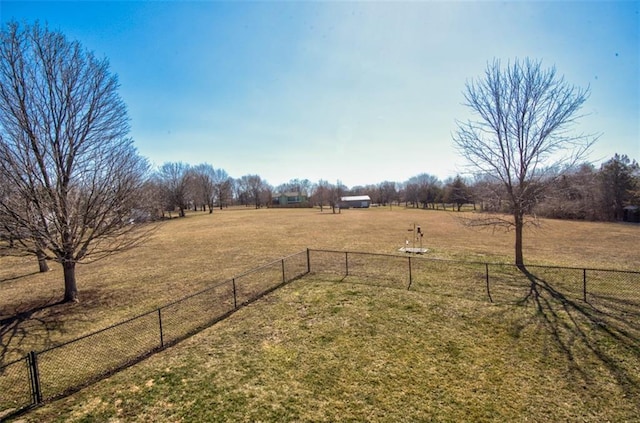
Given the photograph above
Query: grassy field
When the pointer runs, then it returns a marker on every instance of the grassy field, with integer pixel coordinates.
(480, 359)
(319, 350)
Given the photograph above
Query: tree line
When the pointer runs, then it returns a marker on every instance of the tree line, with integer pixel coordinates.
(583, 193)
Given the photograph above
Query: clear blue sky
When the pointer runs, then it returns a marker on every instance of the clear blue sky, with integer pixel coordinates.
(360, 92)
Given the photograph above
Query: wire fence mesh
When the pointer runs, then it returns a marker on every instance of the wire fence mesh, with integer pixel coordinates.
(15, 386)
(78, 362)
(614, 292)
(53, 372)
(444, 278)
(181, 318)
(496, 282)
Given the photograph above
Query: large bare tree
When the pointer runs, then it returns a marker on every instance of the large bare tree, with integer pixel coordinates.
(521, 133)
(73, 173)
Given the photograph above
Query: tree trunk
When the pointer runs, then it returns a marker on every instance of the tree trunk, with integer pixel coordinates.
(42, 261)
(519, 223)
(70, 288)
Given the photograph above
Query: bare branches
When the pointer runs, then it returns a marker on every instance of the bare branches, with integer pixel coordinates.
(74, 175)
(521, 137)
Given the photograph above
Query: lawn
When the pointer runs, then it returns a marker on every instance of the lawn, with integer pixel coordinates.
(323, 350)
(186, 255)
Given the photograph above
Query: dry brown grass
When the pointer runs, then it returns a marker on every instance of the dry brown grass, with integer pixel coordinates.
(319, 350)
(186, 255)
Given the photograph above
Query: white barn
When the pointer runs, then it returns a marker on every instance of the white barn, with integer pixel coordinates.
(355, 201)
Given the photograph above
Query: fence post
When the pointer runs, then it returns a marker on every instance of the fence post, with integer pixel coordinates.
(346, 263)
(284, 278)
(160, 324)
(486, 272)
(410, 276)
(235, 298)
(34, 376)
(584, 285)
(308, 262)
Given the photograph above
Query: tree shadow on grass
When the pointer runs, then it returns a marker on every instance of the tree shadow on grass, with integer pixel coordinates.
(605, 331)
(27, 324)
(18, 277)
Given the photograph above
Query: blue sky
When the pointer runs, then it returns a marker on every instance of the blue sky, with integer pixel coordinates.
(360, 92)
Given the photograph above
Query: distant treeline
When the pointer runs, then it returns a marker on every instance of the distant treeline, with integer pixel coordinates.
(611, 192)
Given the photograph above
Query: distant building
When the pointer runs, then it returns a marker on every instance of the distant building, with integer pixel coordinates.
(355, 201)
(290, 199)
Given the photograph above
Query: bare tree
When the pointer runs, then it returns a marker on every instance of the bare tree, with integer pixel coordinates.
(203, 187)
(300, 186)
(17, 240)
(266, 194)
(223, 187)
(335, 195)
(321, 193)
(489, 194)
(242, 191)
(423, 188)
(410, 192)
(252, 189)
(521, 133)
(388, 193)
(152, 203)
(174, 180)
(64, 151)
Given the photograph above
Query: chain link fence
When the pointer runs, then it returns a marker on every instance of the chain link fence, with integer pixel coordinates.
(606, 290)
(65, 368)
(16, 386)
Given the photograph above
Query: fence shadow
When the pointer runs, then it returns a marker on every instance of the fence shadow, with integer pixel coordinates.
(603, 331)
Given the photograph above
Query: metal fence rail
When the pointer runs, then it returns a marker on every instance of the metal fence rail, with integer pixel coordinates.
(64, 368)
